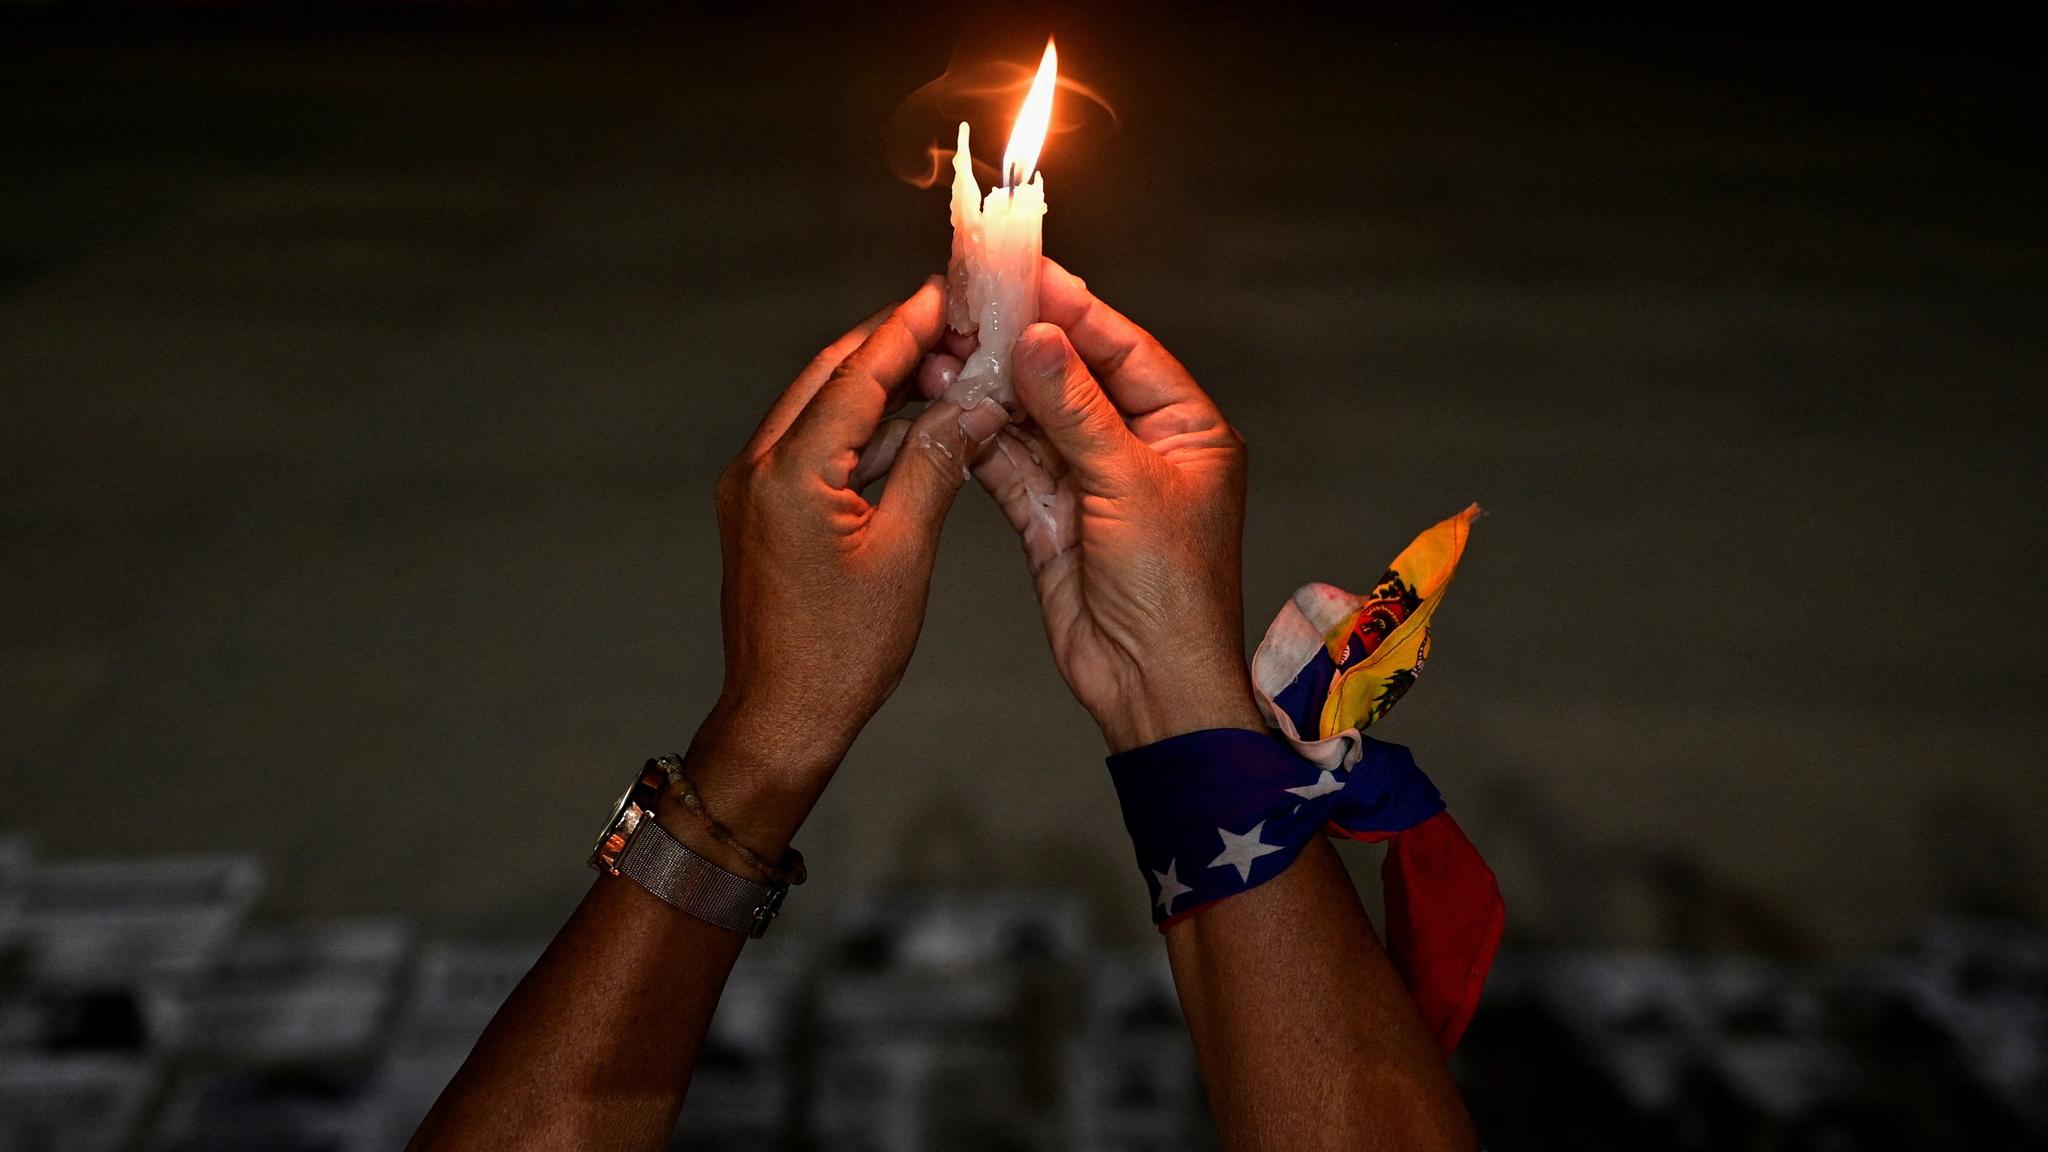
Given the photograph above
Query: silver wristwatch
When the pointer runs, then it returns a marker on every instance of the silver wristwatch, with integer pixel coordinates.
(636, 846)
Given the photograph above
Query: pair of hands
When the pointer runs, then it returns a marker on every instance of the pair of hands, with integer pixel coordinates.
(1127, 488)
(1125, 484)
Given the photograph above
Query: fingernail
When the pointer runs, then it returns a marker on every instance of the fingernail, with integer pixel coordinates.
(1044, 353)
(981, 422)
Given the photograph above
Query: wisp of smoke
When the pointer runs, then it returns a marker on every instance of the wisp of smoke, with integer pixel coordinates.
(918, 141)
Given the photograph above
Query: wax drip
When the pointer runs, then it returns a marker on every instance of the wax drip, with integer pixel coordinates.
(1046, 521)
(925, 441)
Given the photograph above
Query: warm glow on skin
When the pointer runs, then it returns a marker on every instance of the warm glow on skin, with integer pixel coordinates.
(1020, 159)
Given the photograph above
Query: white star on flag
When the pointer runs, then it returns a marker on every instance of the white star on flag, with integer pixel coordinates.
(1324, 785)
(1170, 888)
(1240, 850)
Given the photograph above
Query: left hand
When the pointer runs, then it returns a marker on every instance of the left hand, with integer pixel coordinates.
(824, 590)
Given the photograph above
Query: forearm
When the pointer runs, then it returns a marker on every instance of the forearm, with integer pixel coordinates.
(596, 1045)
(1305, 1034)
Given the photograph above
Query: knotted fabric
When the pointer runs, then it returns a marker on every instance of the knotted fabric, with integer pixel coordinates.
(1217, 812)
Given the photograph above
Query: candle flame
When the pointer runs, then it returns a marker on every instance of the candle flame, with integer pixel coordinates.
(917, 142)
(1020, 159)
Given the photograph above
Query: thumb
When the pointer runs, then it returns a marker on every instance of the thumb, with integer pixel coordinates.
(932, 464)
(1056, 389)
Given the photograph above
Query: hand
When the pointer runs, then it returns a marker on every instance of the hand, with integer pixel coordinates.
(1129, 496)
(824, 590)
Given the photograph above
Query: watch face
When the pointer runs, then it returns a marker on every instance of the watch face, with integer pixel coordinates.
(611, 824)
(613, 841)
(637, 802)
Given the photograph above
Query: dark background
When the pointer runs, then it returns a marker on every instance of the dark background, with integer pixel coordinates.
(364, 372)
(365, 379)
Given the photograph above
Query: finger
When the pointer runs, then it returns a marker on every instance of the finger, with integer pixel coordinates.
(876, 458)
(959, 345)
(1057, 390)
(807, 383)
(1018, 472)
(828, 434)
(1137, 372)
(932, 465)
(1042, 451)
(936, 373)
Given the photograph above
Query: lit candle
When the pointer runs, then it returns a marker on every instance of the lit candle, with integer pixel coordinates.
(992, 281)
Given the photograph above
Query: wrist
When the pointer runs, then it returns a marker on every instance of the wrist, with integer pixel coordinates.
(807, 740)
(1149, 712)
(757, 776)
(689, 830)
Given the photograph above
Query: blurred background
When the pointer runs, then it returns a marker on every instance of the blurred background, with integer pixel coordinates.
(363, 375)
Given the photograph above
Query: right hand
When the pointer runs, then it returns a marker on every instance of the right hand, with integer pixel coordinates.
(1128, 492)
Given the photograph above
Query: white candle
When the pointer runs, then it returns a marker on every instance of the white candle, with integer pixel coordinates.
(992, 280)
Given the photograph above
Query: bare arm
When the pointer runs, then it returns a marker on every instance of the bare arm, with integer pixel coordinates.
(1129, 496)
(1305, 1034)
(823, 597)
(596, 1045)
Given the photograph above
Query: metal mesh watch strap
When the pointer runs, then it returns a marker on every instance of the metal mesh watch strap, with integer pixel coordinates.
(660, 863)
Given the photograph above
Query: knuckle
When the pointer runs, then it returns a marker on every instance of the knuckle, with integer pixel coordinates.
(1079, 393)
(779, 466)
(823, 363)
(891, 328)
(737, 482)
(1115, 361)
(1096, 410)
(845, 370)
(731, 479)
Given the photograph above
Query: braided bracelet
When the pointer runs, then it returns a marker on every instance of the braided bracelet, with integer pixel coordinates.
(790, 870)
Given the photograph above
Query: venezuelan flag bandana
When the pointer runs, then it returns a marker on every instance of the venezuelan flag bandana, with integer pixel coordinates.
(1219, 812)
